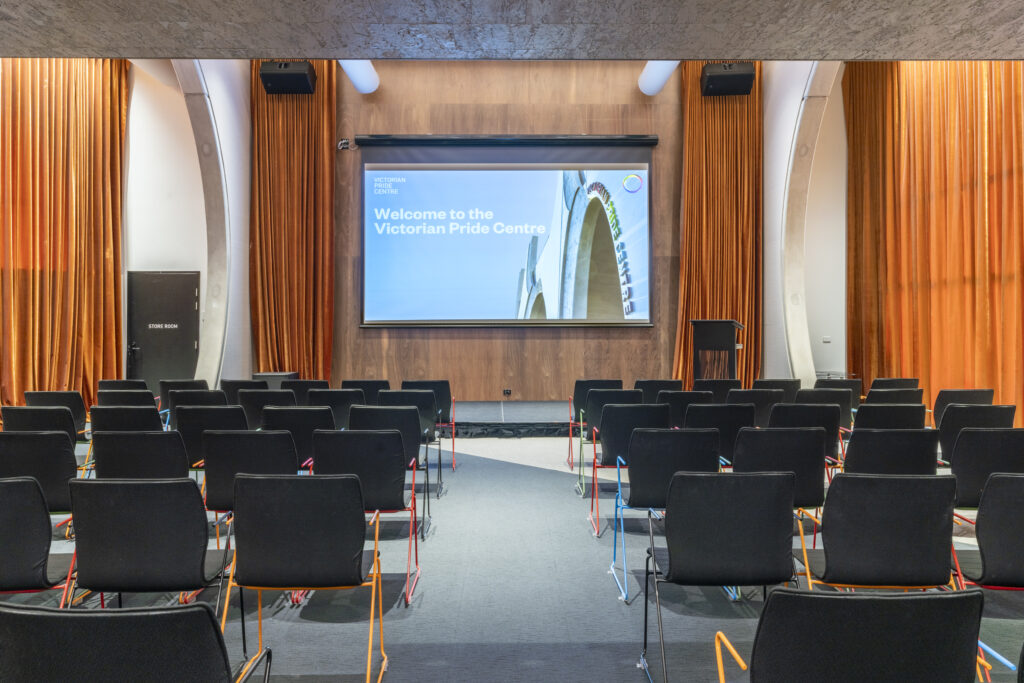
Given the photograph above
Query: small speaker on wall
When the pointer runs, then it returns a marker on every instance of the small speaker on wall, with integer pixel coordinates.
(288, 78)
(730, 78)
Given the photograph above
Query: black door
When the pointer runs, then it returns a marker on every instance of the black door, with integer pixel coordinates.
(163, 325)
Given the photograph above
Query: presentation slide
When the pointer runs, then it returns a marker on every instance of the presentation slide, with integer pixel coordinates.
(505, 244)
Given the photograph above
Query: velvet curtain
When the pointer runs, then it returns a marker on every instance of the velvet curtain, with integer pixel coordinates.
(936, 224)
(291, 243)
(720, 257)
(62, 132)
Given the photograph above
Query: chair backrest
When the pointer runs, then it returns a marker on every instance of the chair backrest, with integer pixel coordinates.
(821, 415)
(597, 399)
(168, 385)
(230, 387)
(139, 455)
(179, 398)
(48, 457)
(72, 400)
(888, 530)
(889, 415)
(340, 401)
(301, 388)
(125, 397)
(370, 387)
(679, 401)
(957, 417)
(25, 532)
(194, 420)
(703, 509)
(582, 387)
(253, 401)
(980, 452)
(421, 399)
(301, 421)
(893, 637)
(39, 419)
(122, 385)
(894, 396)
(789, 387)
(442, 395)
(651, 387)
(139, 535)
(841, 397)
(979, 397)
(800, 450)
(618, 420)
(656, 454)
(125, 419)
(181, 642)
(720, 388)
(855, 386)
(727, 419)
(377, 457)
(763, 400)
(1000, 531)
(312, 536)
(406, 419)
(891, 451)
(230, 452)
(893, 383)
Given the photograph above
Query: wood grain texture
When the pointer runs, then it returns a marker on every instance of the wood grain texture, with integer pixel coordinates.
(555, 98)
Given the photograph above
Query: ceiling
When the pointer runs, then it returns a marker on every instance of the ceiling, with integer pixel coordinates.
(515, 29)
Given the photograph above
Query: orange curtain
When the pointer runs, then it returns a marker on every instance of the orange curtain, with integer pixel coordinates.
(291, 242)
(720, 238)
(936, 224)
(62, 132)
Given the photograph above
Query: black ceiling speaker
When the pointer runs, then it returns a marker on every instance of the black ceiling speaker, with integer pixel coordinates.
(288, 78)
(730, 78)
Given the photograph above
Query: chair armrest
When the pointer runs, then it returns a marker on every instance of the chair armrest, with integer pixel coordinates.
(412, 464)
(374, 518)
(998, 657)
(250, 666)
(199, 463)
(655, 514)
(719, 639)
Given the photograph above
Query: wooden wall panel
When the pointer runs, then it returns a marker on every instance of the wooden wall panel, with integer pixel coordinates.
(556, 98)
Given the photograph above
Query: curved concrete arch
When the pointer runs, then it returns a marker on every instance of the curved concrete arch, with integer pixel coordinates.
(537, 307)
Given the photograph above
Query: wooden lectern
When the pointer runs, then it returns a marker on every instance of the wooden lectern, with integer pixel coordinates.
(714, 348)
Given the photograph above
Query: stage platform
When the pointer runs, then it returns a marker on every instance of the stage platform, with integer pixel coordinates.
(511, 419)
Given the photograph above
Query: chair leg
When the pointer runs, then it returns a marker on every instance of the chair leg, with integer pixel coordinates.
(440, 476)
(414, 549)
(425, 515)
(452, 424)
(647, 593)
(241, 611)
(661, 630)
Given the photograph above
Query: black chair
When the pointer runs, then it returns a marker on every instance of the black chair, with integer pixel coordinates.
(800, 450)
(443, 401)
(727, 419)
(253, 401)
(125, 419)
(134, 644)
(719, 388)
(651, 387)
(139, 455)
(891, 451)
(957, 417)
(889, 415)
(301, 388)
(822, 415)
(370, 387)
(893, 383)
(168, 385)
(125, 397)
(713, 541)
(72, 400)
(230, 387)
(313, 537)
(1000, 532)
(855, 386)
(340, 401)
(679, 401)
(789, 387)
(979, 397)
(194, 420)
(619, 420)
(883, 531)
(39, 419)
(895, 396)
(378, 459)
(654, 456)
(762, 399)
(25, 533)
(979, 453)
(48, 457)
(903, 637)
(841, 397)
(590, 416)
(122, 385)
(301, 422)
(577, 406)
(423, 401)
(179, 398)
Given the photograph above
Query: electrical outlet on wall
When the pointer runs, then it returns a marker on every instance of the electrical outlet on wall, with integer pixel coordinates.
(826, 340)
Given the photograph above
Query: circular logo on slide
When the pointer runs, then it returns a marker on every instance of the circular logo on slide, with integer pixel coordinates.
(632, 183)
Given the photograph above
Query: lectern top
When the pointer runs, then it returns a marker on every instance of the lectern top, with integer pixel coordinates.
(736, 324)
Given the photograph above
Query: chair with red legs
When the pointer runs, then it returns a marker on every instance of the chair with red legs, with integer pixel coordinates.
(577, 407)
(597, 399)
(444, 402)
